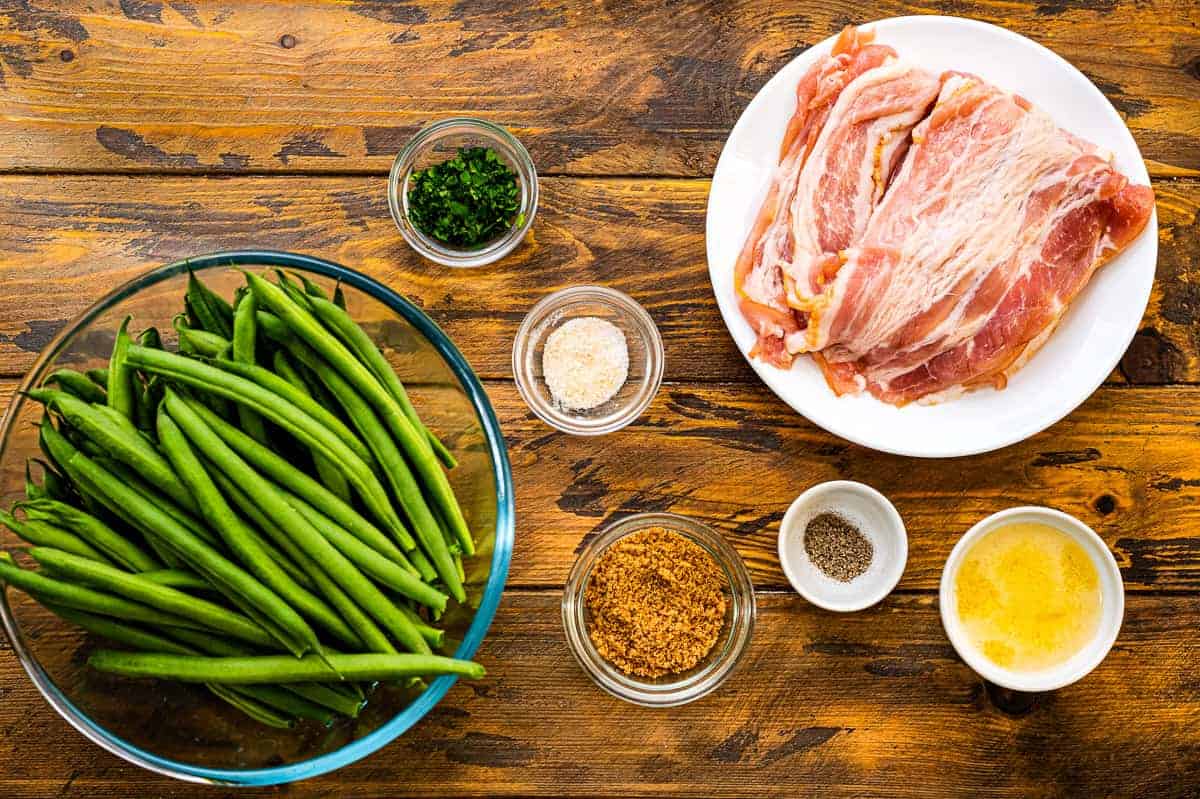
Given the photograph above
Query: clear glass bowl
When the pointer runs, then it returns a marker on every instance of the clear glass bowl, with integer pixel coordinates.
(440, 142)
(646, 358)
(180, 730)
(672, 690)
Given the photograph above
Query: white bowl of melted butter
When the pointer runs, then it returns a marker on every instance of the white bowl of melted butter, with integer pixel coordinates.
(1032, 599)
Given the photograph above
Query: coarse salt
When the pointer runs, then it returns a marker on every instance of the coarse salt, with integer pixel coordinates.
(585, 362)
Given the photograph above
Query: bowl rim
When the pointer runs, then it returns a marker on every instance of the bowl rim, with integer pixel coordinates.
(444, 254)
(1082, 662)
(501, 554)
(634, 689)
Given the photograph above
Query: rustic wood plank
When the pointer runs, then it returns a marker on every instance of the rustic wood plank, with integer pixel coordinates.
(864, 704)
(71, 239)
(735, 457)
(593, 88)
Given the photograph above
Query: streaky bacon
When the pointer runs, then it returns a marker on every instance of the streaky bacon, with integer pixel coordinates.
(758, 281)
(994, 223)
(920, 252)
(844, 179)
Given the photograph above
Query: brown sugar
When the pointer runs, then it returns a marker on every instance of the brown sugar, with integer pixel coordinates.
(655, 603)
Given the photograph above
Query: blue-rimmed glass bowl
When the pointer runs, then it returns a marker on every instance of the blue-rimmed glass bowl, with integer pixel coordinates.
(177, 729)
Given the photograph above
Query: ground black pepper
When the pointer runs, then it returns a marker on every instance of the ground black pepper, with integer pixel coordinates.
(837, 547)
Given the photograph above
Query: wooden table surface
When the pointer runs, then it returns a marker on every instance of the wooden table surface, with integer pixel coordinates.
(139, 132)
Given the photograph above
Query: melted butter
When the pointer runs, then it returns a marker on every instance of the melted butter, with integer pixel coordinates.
(1028, 596)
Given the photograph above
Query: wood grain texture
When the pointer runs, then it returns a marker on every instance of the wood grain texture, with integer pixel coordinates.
(866, 704)
(162, 106)
(593, 88)
(734, 457)
(69, 240)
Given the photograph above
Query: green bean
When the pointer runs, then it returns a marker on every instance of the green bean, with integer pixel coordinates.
(403, 482)
(245, 336)
(301, 484)
(142, 406)
(368, 635)
(47, 447)
(281, 412)
(152, 594)
(237, 696)
(152, 642)
(58, 449)
(92, 529)
(432, 635)
(357, 340)
(242, 542)
(379, 568)
(301, 398)
(152, 390)
(54, 485)
(312, 289)
(194, 525)
(233, 581)
(43, 534)
(144, 640)
(202, 342)
(120, 376)
(47, 589)
(421, 563)
(327, 696)
(99, 377)
(258, 711)
(206, 643)
(77, 384)
(275, 507)
(330, 477)
(150, 337)
(415, 444)
(146, 401)
(273, 668)
(120, 440)
(98, 504)
(233, 590)
(178, 578)
(335, 696)
(296, 699)
(286, 562)
(213, 312)
(292, 290)
(148, 493)
(32, 489)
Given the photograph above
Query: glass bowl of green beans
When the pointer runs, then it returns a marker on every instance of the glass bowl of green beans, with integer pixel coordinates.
(463, 192)
(130, 483)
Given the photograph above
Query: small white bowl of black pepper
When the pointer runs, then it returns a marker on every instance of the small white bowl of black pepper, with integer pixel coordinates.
(843, 546)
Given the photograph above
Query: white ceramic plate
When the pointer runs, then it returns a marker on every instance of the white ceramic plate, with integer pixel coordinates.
(1091, 337)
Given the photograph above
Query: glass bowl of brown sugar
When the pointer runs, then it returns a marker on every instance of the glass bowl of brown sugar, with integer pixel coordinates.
(658, 609)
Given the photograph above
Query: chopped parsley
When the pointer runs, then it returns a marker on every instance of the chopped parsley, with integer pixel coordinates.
(466, 201)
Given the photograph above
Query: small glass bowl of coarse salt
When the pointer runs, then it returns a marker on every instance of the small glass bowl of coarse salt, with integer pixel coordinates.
(588, 360)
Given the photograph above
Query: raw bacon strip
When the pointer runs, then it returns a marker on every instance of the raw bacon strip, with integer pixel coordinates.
(845, 176)
(994, 223)
(758, 279)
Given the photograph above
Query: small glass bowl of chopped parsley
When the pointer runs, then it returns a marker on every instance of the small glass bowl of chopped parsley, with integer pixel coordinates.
(463, 192)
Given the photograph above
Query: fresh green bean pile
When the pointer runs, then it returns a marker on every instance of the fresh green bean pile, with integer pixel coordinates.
(262, 512)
